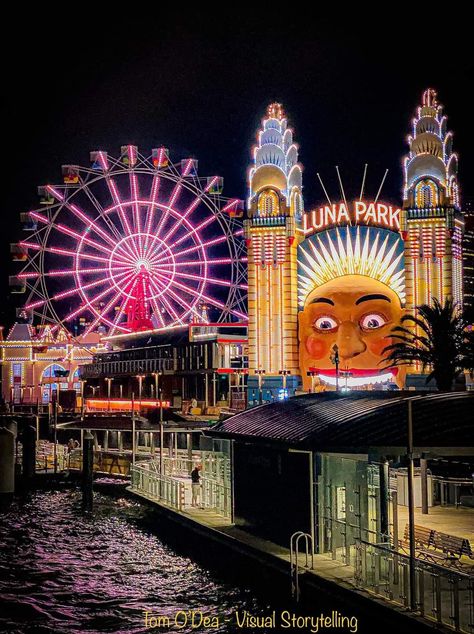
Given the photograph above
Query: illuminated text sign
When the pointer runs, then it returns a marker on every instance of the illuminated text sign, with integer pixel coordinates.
(357, 212)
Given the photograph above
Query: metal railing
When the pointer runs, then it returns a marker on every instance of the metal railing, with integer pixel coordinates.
(217, 496)
(45, 457)
(442, 595)
(157, 487)
(294, 566)
(179, 466)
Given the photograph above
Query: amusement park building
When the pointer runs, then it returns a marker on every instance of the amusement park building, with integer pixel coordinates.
(36, 364)
(166, 264)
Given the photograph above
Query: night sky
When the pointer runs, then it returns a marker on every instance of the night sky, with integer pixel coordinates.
(200, 85)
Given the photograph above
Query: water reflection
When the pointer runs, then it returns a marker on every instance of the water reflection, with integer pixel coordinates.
(63, 572)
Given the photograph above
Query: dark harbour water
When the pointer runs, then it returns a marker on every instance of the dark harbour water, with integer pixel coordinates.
(61, 572)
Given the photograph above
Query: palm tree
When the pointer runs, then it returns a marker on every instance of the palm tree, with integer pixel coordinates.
(438, 338)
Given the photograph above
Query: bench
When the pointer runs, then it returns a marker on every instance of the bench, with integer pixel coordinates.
(453, 547)
(437, 546)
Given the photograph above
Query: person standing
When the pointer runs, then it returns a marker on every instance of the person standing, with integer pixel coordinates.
(195, 485)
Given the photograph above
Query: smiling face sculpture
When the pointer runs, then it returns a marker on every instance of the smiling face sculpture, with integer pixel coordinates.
(355, 306)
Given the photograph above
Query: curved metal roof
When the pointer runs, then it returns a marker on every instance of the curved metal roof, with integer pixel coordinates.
(359, 420)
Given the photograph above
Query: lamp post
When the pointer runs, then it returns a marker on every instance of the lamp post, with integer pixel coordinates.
(156, 375)
(161, 433)
(82, 383)
(109, 386)
(411, 505)
(284, 374)
(140, 378)
(133, 429)
(313, 375)
(334, 358)
(260, 374)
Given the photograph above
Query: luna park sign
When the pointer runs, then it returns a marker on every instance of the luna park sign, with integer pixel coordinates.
(357, 212)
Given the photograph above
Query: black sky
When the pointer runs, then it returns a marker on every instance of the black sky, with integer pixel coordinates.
(199, 85)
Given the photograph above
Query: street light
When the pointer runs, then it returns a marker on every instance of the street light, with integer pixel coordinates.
(260, 374)
(109, 386)
(334, 358)
(157, 379)
(140, 378)
(284, 374)
(313, 375)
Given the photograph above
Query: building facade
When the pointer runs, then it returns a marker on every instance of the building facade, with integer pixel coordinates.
(432, 222)
(274, 214)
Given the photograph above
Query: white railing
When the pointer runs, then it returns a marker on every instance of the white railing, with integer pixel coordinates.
(216, 496)
(442, 595)
(178, 466)
(157, 487)
(45, 456)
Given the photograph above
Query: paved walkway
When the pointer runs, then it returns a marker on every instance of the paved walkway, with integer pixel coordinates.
(447, 519)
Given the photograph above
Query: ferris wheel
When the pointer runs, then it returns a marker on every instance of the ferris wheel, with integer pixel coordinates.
(132, 244)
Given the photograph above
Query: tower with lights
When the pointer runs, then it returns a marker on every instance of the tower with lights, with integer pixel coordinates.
(431, 222)
(273, 231)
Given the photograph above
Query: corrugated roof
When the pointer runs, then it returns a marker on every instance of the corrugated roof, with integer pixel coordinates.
(359, 419)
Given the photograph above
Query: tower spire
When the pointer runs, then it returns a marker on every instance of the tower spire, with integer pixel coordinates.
(274, 212)
(431, 220)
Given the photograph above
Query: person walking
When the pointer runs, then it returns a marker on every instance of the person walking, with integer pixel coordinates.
(195, 485)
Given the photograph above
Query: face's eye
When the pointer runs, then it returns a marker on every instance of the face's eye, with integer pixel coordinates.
(372, 321)
(325, 323)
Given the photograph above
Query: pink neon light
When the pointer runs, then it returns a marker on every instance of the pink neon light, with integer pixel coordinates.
(30, 245)
(55, 193)
(134, 191)
(89, 222)
(177, 298)
(35, 304)
(40, 217)
(199, 246)
(27, 276)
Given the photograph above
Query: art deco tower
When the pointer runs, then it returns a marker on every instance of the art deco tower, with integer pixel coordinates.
(274, 213)
(432, 223)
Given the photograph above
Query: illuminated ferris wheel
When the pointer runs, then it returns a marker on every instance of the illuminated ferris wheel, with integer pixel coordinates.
(132, 244)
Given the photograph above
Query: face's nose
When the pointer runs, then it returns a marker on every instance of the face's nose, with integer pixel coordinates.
(349, 340)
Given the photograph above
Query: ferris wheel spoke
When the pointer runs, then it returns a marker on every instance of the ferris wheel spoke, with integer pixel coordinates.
(58, 251)
(80, 214)
(88, 303)
(171, 203)
(164, 300)
(157, 311)
(210, 300)
(202, 245)
(115, 234)
(73, 291)
(73, 234)
(135, 196)
(213, 280)
(103, 313)
(211, 261)
(119, 206)
(194, 230)
(65, 272)
(191, 208)
(155, 187)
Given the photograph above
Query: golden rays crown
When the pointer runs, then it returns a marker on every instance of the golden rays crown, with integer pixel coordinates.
(350, 254)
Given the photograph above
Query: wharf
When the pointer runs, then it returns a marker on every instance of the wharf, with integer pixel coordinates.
(329, 582)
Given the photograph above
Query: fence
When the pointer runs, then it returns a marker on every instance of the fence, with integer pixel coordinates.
(217, 496)
(442, 595)
(157, 487)
(45, 456)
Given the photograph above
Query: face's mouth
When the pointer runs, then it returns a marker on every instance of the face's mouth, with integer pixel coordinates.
(356, 377)
(355, 372)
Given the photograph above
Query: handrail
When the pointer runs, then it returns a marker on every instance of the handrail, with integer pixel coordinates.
(157, 486)
(294, 569)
